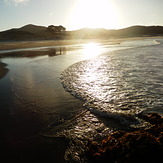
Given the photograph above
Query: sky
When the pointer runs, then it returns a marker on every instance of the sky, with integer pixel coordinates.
(76, 14)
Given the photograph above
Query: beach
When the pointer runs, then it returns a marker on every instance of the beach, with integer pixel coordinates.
(30, 44)
(3, 70)
(40, 118)
(22, 121)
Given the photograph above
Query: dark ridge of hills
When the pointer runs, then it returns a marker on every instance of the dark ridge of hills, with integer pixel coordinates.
(33, 28)
(34, 32)
(141, 31)
(28, 32)
(133, 31)
(89, 33)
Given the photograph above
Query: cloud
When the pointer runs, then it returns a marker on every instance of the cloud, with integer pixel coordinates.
(16, 2)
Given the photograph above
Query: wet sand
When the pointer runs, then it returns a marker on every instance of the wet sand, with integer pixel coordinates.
(3, 70)
(20, 137)
(31, 44)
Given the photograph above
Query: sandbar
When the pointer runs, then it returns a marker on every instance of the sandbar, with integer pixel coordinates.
(45, 43)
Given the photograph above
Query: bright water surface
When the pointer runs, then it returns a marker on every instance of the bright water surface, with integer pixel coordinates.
(34, 82)
(126, 81)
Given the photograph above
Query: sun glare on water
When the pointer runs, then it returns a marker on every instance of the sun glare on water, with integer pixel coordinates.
(91, 50)
(94, 14)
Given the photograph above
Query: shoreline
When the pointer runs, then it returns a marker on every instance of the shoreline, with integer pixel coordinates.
(44, 43)
(3, 69)
(54, 148)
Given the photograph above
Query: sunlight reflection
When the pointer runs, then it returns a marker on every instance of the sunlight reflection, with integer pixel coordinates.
(91, 50)
(92, 79)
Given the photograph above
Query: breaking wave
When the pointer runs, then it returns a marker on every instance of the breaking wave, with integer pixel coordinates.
(119, 84)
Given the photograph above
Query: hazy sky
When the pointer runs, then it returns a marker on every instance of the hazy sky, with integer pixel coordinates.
(75, 14)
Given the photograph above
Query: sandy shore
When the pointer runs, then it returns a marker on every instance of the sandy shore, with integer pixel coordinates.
(21, 144)
(3, 70)
(45, 43)
(31, 44)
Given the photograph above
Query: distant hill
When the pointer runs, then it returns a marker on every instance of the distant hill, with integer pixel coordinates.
(33, 28)
(89, 33)
(34, 32)
(28, 32)
(140, 31)
(133, 31)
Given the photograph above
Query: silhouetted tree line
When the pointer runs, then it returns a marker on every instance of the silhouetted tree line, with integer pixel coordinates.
(56, 29)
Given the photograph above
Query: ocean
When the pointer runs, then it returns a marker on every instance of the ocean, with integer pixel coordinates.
(122, 82)
(116, 87)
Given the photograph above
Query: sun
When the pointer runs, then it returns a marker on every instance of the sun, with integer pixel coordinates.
(94, 14)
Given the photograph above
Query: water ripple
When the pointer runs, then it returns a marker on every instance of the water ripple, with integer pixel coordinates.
(126, 82)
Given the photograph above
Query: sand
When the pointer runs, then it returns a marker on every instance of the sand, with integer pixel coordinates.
(45, 43)
(31, 44)
(3, 70)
